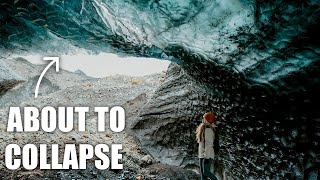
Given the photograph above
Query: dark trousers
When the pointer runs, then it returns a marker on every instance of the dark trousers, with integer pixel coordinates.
(205, 165)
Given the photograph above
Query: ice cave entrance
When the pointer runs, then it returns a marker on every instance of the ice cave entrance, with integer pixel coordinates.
(107, 64)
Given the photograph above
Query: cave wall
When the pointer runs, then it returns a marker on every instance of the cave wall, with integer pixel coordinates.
(263, 134)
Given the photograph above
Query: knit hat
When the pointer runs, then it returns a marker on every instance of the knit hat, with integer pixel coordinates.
(209, 117)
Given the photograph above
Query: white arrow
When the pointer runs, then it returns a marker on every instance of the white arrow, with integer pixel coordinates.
(53, 60)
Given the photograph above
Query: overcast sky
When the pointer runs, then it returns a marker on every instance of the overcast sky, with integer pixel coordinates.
(107, 64)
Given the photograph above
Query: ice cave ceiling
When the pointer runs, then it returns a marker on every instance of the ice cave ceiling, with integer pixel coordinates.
(255, 63)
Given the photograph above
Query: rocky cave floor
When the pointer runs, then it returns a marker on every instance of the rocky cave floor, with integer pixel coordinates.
(76, 89)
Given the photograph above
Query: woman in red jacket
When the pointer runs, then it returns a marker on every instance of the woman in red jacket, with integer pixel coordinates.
(205, 135)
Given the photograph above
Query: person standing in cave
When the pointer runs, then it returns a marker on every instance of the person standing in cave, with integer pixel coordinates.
(207, 138)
